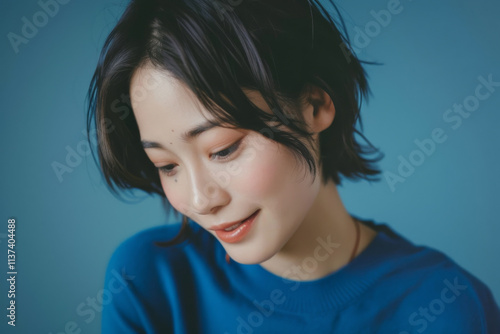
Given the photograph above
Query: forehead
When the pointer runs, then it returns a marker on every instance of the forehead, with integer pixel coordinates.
(159, 100)
(165, 109)
(155, 93)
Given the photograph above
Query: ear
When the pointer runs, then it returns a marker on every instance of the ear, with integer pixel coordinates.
(318, 109)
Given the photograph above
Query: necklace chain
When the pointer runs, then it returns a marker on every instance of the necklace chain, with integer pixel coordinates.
(356, 223)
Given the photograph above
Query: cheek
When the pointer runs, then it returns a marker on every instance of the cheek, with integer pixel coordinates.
(265, 171)
(174, 197)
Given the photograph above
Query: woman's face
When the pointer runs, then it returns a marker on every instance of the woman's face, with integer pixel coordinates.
(221, 175)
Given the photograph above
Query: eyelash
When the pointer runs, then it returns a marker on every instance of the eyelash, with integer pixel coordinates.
(168, 168)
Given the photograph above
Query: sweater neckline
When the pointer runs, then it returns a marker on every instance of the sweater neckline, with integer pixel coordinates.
(331, 292)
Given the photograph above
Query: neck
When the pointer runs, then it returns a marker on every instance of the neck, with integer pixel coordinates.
(323, 243)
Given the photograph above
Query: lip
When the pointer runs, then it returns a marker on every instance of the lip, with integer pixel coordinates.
(238, 233)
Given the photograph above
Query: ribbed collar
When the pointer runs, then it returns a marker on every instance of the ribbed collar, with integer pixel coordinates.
(331, 292)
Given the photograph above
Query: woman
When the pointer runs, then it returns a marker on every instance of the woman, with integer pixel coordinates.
(243, 119)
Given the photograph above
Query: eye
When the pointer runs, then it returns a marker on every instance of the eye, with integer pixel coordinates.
(225, 153)
(166, 169)
(221, 155)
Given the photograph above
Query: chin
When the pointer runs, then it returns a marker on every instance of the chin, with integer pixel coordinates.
(250, 257)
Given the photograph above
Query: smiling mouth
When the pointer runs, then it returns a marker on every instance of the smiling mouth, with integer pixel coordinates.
(235, 232)
(231, 226)
(234, 226)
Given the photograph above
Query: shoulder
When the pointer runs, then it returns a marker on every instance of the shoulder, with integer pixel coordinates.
(447, 298)
(141, 248)
(141, 277)
(143, 241)
(141, 244)
(138, 256)
(428, 291)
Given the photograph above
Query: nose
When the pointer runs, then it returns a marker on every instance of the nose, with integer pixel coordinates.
(207, 196)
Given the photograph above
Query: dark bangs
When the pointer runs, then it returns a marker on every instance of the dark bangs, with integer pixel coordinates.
(279, 48)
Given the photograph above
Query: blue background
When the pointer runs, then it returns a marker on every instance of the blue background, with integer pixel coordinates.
(433, 54)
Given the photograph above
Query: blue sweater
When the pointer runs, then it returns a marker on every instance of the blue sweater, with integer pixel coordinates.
(393, 287)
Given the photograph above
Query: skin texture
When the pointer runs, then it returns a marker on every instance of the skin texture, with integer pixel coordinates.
(296, 209)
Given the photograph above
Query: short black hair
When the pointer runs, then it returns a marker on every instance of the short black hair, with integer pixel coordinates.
(280, 48)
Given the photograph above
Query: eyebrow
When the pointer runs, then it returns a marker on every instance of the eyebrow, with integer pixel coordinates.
(187, 136)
